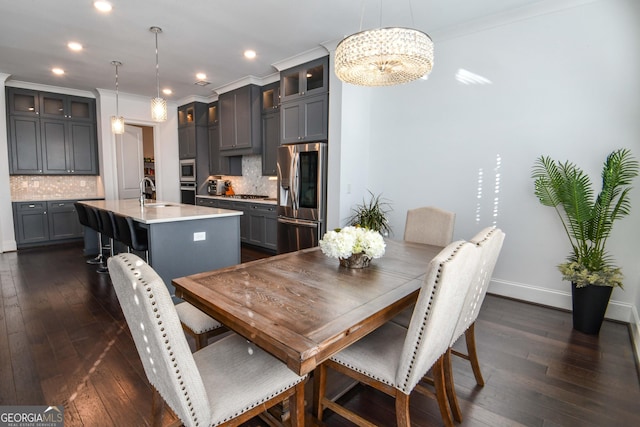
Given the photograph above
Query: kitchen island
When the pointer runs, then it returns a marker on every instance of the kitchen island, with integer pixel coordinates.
(183, 239)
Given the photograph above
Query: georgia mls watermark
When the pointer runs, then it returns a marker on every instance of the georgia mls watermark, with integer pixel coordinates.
(32, 416)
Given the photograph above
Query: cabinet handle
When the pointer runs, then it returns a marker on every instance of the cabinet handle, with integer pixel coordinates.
(32, 206)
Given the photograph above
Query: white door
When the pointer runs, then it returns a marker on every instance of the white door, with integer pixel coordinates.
(130, 162)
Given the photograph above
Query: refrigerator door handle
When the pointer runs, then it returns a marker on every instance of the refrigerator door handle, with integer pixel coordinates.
(300, 222)
(295, 165)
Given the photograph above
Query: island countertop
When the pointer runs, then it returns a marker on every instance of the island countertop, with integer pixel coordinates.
(159, 212)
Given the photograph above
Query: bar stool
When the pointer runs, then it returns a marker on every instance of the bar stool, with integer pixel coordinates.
(131, 235)
(107, 228)
(83, 217)
(94, 223)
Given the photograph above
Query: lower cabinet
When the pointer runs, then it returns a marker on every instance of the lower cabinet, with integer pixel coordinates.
(258, 224)
(45, 222)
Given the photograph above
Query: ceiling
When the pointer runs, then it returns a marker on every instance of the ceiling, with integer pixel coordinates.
(198, 36)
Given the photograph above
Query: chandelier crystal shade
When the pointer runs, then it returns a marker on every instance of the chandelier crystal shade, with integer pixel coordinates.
(384, 57)
(117, 121)
(158, 104)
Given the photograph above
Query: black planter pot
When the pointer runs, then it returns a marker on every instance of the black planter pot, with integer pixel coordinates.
(589, 306)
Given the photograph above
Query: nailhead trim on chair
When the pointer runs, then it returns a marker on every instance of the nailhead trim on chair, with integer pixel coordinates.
(424, 319)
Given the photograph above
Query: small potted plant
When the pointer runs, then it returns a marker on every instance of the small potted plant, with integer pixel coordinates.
(372, 215)
(587, 221)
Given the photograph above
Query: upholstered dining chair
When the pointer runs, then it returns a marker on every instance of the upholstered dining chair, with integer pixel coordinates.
(429, 225)
(489, 240)
(224, 384)
(194, 322)
(393, 359)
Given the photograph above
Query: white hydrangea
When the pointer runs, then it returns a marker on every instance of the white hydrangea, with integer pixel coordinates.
(352, 240)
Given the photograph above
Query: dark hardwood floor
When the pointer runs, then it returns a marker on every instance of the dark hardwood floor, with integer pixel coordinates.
(63, 340)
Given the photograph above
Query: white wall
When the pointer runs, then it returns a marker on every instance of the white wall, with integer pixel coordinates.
(564, 83)
(7, 236)
(137, 110)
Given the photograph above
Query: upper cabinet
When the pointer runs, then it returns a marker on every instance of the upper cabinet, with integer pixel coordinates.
(57, 106)
(271, 98)
(304, 107)
(51, 134)
(192, 131)
(305, 80)
(239, 115)
(270, 127)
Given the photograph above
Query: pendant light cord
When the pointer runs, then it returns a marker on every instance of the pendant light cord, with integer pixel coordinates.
(117, 104)
(157, 67)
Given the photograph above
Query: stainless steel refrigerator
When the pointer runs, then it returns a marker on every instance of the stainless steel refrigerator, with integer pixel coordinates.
(302, 195)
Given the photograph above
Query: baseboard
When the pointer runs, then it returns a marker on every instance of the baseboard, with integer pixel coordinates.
(635, 336)
(617, 310)
(8, 246)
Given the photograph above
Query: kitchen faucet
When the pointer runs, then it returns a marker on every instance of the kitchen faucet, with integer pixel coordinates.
(153, 188)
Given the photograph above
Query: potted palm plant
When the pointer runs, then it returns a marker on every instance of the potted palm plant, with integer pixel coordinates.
(587, 220)
(372, 215)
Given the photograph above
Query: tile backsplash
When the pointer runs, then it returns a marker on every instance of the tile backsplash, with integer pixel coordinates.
(252, 181)
(52, 187)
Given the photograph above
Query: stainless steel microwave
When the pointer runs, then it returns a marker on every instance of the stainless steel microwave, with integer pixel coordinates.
(188, 170)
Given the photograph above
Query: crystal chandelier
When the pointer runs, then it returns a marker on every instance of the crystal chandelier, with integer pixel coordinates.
(158, 105)
(384, 56)
(117, 121)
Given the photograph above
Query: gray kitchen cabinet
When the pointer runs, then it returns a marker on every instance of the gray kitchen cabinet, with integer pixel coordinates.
(25, 147)
(262, 221)
(59, 106)
(307, 79)
(23, 102)
(305, 119)
(192, 131)
(219, 164)
(51, 134)
(30, 222)
(45, 222)
(270, 127)
(258, 223)
(68, 147)
(63, 220)
(239, 115)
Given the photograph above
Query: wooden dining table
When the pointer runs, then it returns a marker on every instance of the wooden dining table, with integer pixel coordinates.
(303, 307)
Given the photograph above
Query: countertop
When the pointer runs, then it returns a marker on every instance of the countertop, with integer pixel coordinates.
(268, 201)
(157, 211)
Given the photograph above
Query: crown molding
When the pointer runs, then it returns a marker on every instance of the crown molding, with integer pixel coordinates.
(47, 88)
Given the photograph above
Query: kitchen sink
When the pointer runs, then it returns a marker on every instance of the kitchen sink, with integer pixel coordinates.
(157, 205)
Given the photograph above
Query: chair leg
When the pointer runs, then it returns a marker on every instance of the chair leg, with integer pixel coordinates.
(450, 386)
(441, 391)
(202, 340)
(319, 389)
(402, 410)
(470, 338)
(157, 408)
(296, 406)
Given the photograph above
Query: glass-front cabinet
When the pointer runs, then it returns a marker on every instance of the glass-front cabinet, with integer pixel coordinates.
(304, 80)
(23, 102)
(58, 106)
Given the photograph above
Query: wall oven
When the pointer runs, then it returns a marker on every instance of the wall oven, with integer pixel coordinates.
(302, 195)
(188, 192)
(187, 170)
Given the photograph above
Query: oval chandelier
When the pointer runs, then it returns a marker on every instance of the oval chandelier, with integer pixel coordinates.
(384, 57)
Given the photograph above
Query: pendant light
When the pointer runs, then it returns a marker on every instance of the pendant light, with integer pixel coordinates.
(117, 121)
(158, 105)
(384, 56)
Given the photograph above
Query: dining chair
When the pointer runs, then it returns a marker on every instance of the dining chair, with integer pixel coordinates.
(393, 359)
(224, 384)
(194, 322)
(430, 226)
(489, 240)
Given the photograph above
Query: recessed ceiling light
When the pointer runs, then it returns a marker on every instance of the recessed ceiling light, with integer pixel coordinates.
(250, 54)
(201, 76)
(57, 71)
(103, 6)
(74, 46)
(167, 91)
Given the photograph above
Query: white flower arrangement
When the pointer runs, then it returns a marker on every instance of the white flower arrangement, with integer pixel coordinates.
(342, 243)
